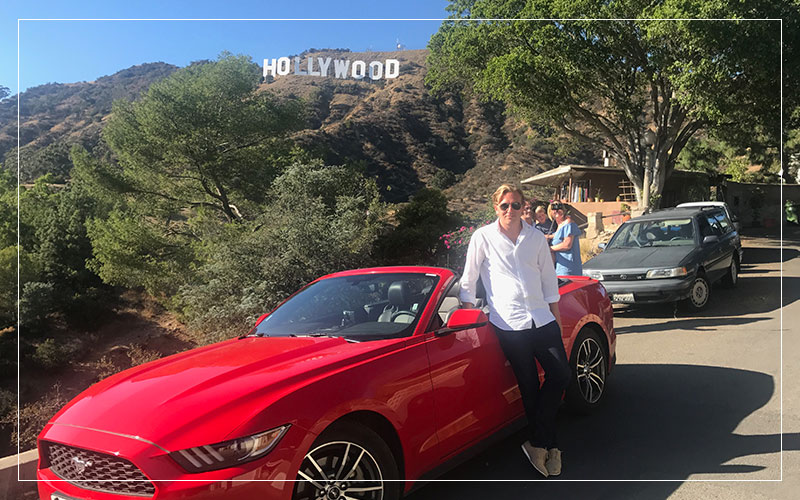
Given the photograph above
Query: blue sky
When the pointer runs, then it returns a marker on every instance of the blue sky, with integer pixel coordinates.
(72, 51)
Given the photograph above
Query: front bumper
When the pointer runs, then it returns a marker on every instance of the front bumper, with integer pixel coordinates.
(649, 291)
(271, 477)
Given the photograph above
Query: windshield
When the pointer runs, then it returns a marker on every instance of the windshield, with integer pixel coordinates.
(363, 307)
(654, 233)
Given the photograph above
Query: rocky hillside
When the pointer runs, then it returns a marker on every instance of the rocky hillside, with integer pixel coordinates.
(405, 137)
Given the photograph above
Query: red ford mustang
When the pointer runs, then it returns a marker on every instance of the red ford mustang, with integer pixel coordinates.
(358, 386)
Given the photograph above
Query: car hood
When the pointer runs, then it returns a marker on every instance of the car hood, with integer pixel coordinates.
(639, 258)
(208, 391)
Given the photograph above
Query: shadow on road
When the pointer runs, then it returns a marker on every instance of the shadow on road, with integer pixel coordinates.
(659, 422)
(755, 295)
(762, 255)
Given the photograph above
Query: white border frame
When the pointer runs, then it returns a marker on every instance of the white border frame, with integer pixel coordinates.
(780, 219)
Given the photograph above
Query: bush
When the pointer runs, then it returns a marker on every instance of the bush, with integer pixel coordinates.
(416, 240)
(36, 302)
(320, 219)
(443, 179)
(51, 354)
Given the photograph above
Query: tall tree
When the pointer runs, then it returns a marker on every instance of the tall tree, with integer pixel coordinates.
(637, 86)
(198, 150)
(203, 137)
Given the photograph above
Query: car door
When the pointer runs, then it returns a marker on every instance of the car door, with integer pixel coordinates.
(730, 238)
(714, 255)
(474, 389)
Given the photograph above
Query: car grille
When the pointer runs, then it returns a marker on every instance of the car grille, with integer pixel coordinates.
(624, 276)
(98, 471)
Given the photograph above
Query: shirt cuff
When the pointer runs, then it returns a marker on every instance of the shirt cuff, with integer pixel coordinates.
(552, 299)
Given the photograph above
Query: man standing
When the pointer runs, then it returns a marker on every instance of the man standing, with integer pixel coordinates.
(513, 261)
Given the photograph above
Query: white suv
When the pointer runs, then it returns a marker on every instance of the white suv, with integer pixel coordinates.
(722, 204)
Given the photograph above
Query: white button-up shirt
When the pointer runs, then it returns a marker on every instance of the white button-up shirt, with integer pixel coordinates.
(519, 277)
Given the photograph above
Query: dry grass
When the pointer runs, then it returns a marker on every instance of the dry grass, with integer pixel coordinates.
(140, 355)
(33, 417)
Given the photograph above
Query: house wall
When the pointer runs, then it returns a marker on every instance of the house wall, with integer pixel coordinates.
(759, 204)
(611, 210)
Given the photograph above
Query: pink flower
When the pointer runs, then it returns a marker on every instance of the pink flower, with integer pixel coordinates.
(459, 242)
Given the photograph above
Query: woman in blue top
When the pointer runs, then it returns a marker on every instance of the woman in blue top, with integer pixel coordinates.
(566, 243)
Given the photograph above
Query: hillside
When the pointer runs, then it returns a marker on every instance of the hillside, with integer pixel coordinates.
(406, 138)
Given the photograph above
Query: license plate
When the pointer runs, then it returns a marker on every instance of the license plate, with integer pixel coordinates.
(622, 297)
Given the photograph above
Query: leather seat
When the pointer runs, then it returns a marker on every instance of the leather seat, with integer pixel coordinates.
(399, 298)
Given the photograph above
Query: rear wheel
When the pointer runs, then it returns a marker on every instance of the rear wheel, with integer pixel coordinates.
(348, 462)
(589, 363)
(731, 279)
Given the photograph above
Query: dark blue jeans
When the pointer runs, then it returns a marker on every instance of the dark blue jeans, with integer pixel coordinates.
(541, 404)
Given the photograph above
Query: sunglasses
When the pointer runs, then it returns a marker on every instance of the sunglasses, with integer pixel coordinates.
(515, 206)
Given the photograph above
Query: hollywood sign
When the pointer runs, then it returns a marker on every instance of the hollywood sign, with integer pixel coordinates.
(341, 68)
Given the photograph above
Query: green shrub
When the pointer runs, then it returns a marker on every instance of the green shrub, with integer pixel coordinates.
(320, 219)
(443, 179)
(415, 240)
(51, 354)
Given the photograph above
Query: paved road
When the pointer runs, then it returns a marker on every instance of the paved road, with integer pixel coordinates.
(694, 407)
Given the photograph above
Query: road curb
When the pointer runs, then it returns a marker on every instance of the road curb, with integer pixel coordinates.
(10, 487)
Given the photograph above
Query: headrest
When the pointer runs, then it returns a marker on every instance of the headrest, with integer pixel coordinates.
(398, 293)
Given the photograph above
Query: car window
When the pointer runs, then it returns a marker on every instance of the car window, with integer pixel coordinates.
(714, 225)
(724, 224)
(654, 233)
(360, 307)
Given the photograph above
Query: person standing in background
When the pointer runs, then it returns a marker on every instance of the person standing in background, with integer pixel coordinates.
(566, 243)
(527, 213)
(544, 224)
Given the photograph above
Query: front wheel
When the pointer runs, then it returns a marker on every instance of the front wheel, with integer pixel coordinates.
(699, 294)
(589, 363)
(348, 462)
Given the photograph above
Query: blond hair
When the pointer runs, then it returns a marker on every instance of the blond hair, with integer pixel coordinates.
(507, 188)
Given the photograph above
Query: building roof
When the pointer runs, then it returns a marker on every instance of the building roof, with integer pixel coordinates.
(564, 172)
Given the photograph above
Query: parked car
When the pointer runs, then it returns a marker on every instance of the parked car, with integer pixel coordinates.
(700, 204)
(669, 255)
(358, 380)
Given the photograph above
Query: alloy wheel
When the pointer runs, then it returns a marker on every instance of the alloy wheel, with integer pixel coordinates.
(339, 470)
(590, 369)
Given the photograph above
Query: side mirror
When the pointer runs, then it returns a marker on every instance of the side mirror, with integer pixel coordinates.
(602, 246)
(708, 240)
(463, 319)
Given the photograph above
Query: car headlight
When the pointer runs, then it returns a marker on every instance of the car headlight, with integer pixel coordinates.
(229, 453)
(597, 275)
(674, 272)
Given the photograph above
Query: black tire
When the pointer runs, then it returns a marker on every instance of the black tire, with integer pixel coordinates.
(589, 365)
(699, 295)
(351, 460)
(731, 279)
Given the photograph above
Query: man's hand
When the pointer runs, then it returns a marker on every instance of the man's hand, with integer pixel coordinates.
(467, 305)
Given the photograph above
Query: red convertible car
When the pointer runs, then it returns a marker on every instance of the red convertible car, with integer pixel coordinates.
(359, 386)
